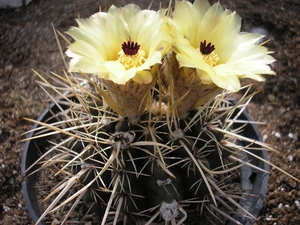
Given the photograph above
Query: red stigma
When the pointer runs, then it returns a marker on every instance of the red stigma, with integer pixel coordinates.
(206, 49)
(130, 48)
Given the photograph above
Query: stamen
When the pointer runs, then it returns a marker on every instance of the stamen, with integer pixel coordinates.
(130, 48)
(206, 49)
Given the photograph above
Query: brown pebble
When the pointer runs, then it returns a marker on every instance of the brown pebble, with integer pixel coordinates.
(271, 98)
(272, 203)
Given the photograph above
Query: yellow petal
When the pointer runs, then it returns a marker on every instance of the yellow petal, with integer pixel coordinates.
(116, 29)
(84, 49)
(85, 65)
(143, 77)
(190, 57)
(226, 77)
(230, 83)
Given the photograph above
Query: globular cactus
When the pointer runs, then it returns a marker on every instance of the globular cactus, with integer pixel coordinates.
(162, 168)
(148, 138)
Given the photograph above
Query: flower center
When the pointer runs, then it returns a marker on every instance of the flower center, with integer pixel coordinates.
(207, 51)
(131, 55)
(130, 48)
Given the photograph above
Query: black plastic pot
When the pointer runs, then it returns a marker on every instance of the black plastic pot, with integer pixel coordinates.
(253, 182)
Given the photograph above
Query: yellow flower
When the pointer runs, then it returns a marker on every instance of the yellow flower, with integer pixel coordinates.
(119, 45)
(208, 38)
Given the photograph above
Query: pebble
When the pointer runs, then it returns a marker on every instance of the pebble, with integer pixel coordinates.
(6, 208)
(288, 117)
(282, 178)
(7, 69)
(291, 135)
(271, 98)
(269, 218)
(280, 206)
(297, 204)
(272, 203)
(277, 135)
(281, 188)
(290, 158)
(282, 109)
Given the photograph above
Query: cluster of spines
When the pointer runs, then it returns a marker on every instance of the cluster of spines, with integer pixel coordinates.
(144, 165)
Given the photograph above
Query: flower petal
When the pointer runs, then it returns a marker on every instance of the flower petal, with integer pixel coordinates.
(83, 64)
(143, 77)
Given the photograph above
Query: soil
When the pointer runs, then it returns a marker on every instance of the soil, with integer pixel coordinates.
(27, 41)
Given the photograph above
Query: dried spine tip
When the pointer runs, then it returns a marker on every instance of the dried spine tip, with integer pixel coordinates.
(130, 48)
(206, 49)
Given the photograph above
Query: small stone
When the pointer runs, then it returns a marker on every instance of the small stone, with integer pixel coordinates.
(291, 135)
(272, 203)
(269, 218)
(282, 109)
(297, 204)
(281, 188)
(282, 178)
(290, 158)
(271, 98)
(292, 193)
(277, 135)
(6, 208)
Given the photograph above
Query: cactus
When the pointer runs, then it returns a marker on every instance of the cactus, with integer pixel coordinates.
(163, 168)
(135, 149)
